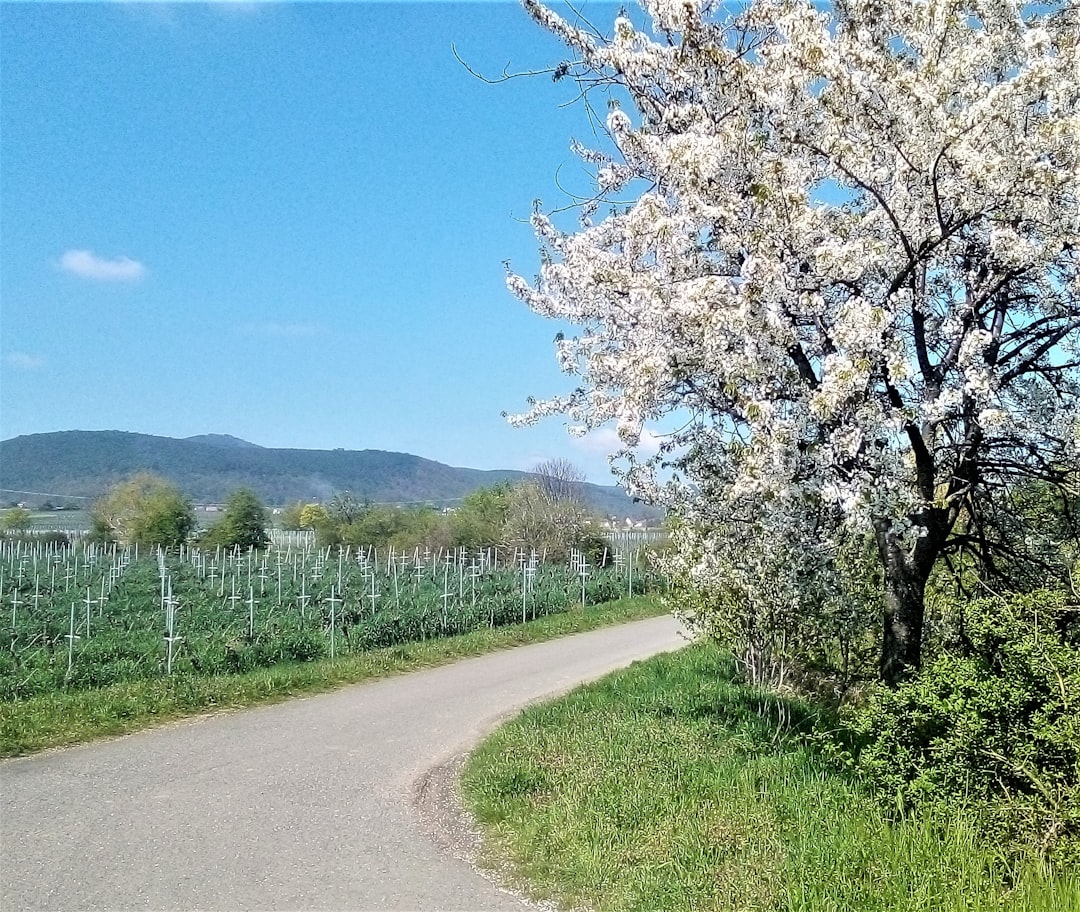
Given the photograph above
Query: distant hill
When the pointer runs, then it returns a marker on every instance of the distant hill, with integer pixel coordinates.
(223, 440)
(209, 467)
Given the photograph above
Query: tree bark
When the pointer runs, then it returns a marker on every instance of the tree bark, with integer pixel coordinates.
(905, 578)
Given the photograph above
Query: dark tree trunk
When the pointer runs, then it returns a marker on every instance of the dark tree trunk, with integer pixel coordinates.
(905, 577)
(901, 639)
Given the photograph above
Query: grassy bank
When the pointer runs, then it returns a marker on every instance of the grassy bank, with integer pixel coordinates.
(666, 787)
(56, 719)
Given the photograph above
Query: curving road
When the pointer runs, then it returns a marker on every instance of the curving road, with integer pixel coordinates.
(308, 804)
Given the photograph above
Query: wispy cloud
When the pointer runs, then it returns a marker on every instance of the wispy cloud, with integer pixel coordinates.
(88, 265)
(23, 361)
(283, 330)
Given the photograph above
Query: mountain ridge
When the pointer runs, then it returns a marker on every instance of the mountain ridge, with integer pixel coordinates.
(222, 440)
(208, 467)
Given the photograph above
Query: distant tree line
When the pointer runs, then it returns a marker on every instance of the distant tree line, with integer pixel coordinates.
(545, 514)
(150, 511)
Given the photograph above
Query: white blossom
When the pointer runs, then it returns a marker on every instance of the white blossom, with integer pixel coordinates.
(854, 270)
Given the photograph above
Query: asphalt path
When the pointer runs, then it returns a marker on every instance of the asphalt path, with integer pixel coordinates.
(308, 804)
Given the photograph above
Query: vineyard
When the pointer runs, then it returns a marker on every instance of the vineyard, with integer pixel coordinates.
(84, 616)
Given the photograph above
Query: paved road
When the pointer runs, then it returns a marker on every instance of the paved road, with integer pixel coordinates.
(303, 805)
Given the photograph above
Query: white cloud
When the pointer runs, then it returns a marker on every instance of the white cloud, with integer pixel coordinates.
(23, 361)
(605, 441)
(529, 463)
(283, 330)
(88, 265)
(592, 452)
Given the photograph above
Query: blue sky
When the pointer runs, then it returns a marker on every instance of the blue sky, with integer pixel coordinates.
(285, 222)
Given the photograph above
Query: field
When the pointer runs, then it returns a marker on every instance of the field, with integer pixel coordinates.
(83, 617)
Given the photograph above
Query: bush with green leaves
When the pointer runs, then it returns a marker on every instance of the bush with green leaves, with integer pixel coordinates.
(147, 510)
(992, 723)
(16, 519)
(243, 525)
(383, 526)
(478, 520)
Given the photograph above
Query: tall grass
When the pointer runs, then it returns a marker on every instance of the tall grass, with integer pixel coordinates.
(668, 786)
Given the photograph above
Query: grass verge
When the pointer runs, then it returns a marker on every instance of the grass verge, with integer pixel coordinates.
(57, 719)
(668, 786)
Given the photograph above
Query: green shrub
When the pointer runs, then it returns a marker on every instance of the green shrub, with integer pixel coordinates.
(992, 722)
(242, 526)
(597, 549)
(297, 645)
(105, 660)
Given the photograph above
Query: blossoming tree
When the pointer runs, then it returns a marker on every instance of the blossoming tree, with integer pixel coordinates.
(842, 253)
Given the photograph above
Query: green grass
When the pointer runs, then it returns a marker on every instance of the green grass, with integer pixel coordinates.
(57, 719)
(666, 787)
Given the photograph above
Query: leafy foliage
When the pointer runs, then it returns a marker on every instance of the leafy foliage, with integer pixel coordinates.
(242, 526)
(993, 720)
(545, 517)
(1041, 543)
(314, 516)
(672, 785)
(291, 518)
(145, 510)
(479, 519)
(15, 519)
(384, 526)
